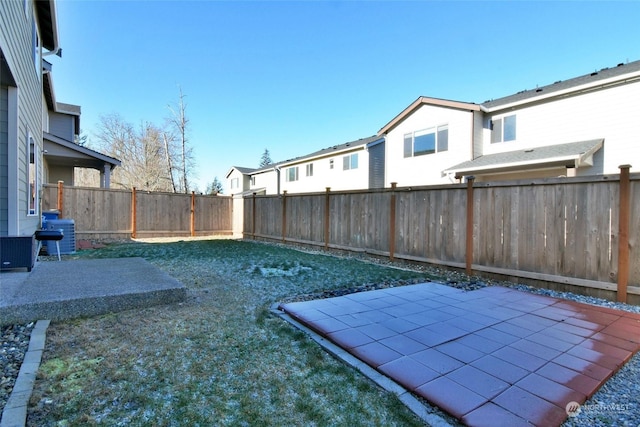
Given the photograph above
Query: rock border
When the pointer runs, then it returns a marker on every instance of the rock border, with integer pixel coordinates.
(15, 411)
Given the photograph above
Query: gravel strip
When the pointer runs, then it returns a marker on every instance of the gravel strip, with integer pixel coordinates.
(13, 346)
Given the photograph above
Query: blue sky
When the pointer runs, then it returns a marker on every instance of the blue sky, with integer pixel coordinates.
(296, 77)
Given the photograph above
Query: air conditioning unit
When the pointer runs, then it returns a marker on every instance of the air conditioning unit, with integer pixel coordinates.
(17, 252)
(68, 242)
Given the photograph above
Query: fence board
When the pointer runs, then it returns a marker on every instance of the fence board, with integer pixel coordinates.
(634, 234)
(563, 228)
(106, 213)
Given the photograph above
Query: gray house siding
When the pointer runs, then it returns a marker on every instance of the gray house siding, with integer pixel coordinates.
(376, 165)
(61, 125)
(4, 160)
(17, 24)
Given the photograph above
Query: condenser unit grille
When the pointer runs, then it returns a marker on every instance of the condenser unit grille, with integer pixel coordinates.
(68, 242)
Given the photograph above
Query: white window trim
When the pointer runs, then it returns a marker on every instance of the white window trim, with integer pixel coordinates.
(425, 131)
(502, 124)
(351, 157)
(35, 45)
(35, 192)
(288, 173)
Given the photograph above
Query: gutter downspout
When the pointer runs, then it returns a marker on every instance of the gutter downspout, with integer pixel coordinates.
(277, 170)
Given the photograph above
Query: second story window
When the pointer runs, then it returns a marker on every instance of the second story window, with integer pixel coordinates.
(292, 174)
(235, 183)
(330, 163)
(350, 162)
(426, 141)
(253, 180)
(503, 129)
(309, 169)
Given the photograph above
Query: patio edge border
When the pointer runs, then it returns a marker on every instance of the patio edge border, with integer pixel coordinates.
(14, 413)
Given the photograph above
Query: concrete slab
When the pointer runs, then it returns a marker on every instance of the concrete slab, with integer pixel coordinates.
(83, 288)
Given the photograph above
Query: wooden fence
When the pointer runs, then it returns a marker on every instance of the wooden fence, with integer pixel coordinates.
(113, 214)
(566, 232)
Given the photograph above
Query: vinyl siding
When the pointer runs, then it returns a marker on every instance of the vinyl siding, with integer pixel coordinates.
(61, 125)
(376, 165)
(4, 162)
(611, 114)
(16, 37)
(337, 178)
(427, 169)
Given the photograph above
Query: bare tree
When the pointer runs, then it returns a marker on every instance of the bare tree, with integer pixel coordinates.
(180, 123)
(167, 153)
(142, 153)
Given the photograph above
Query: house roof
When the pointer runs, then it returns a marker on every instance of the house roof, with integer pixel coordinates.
(573, 154)
(59, 151)
(423, 100)
(558, 87)
(242, 170)
(48, 24)
(347, 146)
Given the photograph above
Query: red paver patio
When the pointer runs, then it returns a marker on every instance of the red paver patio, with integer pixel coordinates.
(493, 356)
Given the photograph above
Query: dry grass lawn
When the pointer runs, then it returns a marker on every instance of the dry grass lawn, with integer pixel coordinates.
(218, 359)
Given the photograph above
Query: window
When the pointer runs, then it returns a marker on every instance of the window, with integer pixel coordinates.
(36, 48)
(253, 180)
(34, 197)
(330, 163)
(309, 168)
(503, 129)
(350, 162)
(426, 141)
(235, 183)
(292, 174)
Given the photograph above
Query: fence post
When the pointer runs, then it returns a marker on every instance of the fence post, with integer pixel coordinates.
(284, 215)
(133, 213)
(392, 222)
(327, 207)
(253, 217)
(469, 237)
(623, 233)
(193, 213)
(60, 198)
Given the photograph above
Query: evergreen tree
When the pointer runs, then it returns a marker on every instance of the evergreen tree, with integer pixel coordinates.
(214, 187)
(265, 160)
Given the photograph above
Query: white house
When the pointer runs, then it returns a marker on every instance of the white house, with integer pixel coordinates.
(340, 167)
(346, 166)
(587, 125)
(583, 126)
(238, 179)
(428, 135)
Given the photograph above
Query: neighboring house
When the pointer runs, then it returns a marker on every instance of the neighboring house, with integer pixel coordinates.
(238, 179)
(26, 28)
(583, 126)
(429, 135)
(62, 155)
(346, 166)
(341, 167)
